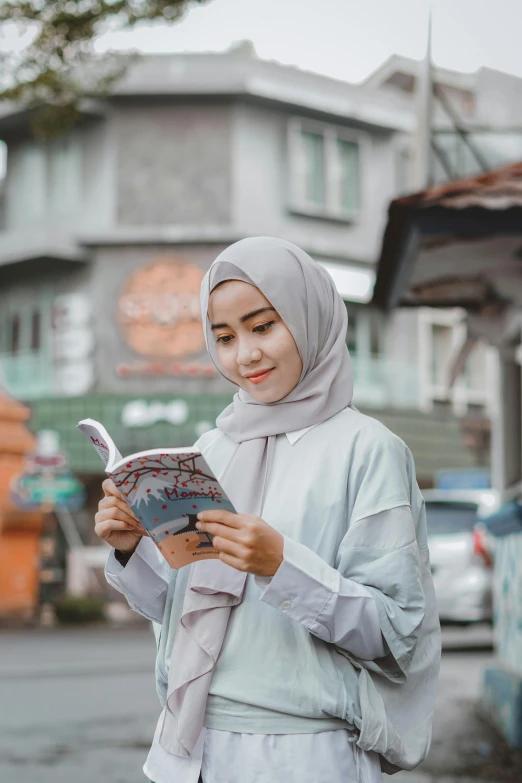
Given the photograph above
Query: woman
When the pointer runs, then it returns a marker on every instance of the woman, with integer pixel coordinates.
(310, 650)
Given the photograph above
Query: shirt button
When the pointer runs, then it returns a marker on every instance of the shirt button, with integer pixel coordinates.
(286, 605)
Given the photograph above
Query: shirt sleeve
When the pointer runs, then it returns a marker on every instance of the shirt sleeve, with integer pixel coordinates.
(383, 548)
(144, 580)
(332, 607)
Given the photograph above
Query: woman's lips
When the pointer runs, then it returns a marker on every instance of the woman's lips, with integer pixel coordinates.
(259, 378)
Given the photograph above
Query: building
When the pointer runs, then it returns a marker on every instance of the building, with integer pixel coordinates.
(460, 245)
(108, 230)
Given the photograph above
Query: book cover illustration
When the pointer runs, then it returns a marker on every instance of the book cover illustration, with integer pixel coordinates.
(166, 489)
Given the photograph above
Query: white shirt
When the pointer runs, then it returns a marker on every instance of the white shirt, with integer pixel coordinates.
(233, 757)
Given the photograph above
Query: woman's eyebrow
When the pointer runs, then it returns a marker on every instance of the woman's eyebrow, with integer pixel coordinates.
(245, 317)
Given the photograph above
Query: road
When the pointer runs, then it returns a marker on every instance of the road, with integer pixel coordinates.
(81, 706)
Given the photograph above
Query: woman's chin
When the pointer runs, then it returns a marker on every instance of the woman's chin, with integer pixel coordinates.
(266, 396)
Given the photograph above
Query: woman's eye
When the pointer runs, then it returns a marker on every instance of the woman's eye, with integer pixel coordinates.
(225, 339)
(262, 328)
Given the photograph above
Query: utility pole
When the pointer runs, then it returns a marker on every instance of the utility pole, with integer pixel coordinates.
(422, 173)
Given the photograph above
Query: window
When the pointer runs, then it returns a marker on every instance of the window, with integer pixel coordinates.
(348, 172)
(375, 333)
(444, 518)
(313, 146)
(25, 320)
(324, 170)
(497, 148)
(29, 183)
(15, 334)
(44, 179)
(36, 323)
(65, 173)
(351, 333)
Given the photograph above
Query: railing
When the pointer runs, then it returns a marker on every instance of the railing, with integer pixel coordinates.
(378, 382)
(384, 383)
(27, 376)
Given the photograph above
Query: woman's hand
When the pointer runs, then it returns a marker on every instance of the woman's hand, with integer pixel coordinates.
(115, 521)
(243, 541)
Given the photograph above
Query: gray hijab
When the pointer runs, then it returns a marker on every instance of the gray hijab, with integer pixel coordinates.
(305, 297)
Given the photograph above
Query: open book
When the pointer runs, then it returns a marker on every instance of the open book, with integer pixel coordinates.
(166, 488)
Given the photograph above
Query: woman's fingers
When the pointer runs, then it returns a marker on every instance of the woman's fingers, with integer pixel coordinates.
(111, 501)
(116, 514)
(110, 488)
(227, 546)
(232, 561)
(218, 529)
(228, 518)
(105, 528)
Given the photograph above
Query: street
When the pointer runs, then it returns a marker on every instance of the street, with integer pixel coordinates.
(81, 706)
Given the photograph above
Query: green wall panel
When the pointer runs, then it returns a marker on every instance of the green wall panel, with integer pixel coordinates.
(63, 414)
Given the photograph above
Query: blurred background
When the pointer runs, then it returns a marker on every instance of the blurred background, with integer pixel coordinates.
(137, 140)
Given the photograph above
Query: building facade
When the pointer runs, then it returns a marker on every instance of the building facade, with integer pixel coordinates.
(108, 230)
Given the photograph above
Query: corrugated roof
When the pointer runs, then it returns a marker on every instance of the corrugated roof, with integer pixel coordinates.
(499, 189)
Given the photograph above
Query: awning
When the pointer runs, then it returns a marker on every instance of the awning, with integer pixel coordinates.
(435, 252)
(354, 283)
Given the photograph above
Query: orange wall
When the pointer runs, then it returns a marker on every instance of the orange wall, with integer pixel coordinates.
(19, 530)
(19, 554)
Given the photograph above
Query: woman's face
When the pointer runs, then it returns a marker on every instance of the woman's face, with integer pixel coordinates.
(253, 344)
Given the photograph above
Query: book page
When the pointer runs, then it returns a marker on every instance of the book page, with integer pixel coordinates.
(101, 440)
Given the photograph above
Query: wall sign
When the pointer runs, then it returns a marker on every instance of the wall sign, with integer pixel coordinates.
(141, 413)
(159, 310)
(73, 344)
(160, 317)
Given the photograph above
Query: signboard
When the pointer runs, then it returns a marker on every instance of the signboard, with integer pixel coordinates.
(159, 315)
(31, 491)
(73, 344)
(46, 479)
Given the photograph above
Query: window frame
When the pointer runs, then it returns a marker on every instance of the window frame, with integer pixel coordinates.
(331, 134)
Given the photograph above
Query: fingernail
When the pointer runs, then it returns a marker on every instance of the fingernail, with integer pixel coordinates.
(199, 515)
(198, 525)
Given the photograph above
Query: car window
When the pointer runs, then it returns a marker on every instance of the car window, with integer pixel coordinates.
(450, 517)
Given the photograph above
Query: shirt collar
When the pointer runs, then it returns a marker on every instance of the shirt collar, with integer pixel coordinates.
(294, 436)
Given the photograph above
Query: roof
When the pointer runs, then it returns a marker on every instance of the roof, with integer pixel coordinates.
(499, 189)
(398, 64)
(486, 205)
(240, 73)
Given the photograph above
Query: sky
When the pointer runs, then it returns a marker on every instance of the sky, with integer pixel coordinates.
(346, 39)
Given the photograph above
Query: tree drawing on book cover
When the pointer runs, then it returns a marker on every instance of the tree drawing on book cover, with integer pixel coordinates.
(166, 492)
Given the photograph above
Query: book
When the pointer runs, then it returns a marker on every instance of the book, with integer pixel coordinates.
(166, 489)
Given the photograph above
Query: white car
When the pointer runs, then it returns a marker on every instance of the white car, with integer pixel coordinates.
(461, 553)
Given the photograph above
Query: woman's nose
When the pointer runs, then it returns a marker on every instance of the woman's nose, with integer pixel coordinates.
(247, 354)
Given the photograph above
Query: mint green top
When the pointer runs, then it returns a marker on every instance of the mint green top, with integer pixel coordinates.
(345, 497)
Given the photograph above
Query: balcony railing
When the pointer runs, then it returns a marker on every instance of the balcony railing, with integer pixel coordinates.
(378, 382)
(27, 376)
(384, 383)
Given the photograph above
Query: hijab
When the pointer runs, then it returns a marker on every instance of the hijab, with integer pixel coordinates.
(305, 297)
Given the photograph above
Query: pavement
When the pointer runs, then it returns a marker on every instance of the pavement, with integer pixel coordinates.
(80, 705)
